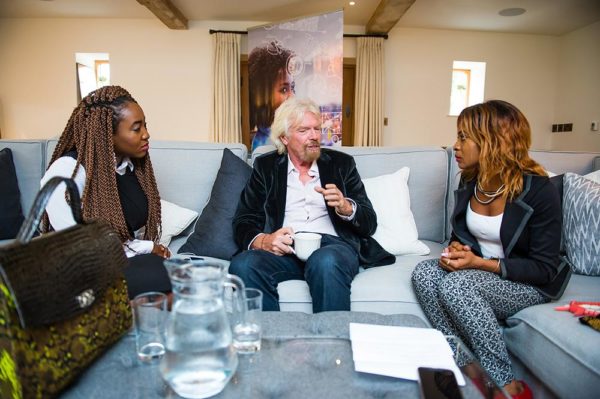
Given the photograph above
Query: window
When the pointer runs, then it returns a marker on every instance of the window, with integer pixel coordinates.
(93, 72)
(468, 81)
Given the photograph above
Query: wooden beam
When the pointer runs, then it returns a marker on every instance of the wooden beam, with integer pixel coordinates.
(387, 13)
(166, 12)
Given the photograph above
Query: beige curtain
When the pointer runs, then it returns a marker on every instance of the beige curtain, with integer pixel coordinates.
(225, 123)
(369, 92)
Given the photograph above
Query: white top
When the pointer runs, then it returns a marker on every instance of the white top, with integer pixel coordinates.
(486, 229)
(59, 211)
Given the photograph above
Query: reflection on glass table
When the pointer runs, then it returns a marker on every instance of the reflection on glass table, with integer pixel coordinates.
(474, 374)
(288, 367)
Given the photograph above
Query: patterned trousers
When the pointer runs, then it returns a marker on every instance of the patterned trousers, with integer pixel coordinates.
(469, 304)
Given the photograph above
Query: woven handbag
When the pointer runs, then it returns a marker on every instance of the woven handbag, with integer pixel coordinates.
(63, 300)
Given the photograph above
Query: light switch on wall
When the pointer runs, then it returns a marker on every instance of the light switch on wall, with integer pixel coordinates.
(594, 127)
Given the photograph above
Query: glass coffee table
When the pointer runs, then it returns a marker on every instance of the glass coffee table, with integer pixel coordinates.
(302, 356)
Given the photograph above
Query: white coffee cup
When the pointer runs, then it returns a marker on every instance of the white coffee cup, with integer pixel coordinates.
(305, 244)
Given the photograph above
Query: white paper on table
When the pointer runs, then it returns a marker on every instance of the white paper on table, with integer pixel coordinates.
(400, 351)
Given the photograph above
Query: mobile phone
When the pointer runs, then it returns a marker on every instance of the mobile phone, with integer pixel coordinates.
(438, 384)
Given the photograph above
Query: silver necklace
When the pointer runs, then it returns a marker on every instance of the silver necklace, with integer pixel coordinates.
(492, 194)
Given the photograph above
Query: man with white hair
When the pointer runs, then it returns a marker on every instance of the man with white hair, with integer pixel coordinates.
(301, 187)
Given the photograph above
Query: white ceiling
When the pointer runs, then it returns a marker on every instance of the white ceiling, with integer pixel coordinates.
(550, 17)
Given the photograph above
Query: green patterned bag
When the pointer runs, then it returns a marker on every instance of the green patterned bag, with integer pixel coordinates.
(63, 301)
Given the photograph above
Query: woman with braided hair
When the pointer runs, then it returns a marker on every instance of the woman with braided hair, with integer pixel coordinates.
(104, 148)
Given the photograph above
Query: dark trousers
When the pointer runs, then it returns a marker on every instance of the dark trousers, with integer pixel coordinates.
(146, 273)
(329, 272)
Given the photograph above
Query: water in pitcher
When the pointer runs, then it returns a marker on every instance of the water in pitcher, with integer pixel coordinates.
(199, 361)
(200, 358)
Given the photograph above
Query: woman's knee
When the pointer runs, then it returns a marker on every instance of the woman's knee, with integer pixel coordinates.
(458, 285)
(424, 272)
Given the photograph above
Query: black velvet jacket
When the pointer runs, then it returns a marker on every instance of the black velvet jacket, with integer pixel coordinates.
(262, 203)
(530, 234)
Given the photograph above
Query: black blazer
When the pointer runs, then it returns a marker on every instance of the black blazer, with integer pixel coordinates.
(530, 235)
(262, 203)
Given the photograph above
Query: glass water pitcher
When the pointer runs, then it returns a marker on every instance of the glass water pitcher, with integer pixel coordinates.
(200, 358)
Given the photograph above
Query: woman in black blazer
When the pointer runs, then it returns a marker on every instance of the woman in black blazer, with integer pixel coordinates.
(503, 254)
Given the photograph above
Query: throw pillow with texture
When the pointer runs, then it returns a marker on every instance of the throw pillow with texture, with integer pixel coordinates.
(396, 228)
(175, 219)
(213, 233)
(581, 223)
(11, 214)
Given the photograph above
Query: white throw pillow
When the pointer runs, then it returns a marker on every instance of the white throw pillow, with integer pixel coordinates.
(594, 176)
(175, 219)
(396, 228)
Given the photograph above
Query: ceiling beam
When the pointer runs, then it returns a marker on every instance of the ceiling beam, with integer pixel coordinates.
(387, 13)
(166, 12)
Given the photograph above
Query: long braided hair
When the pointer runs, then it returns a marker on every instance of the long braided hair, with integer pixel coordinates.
(90, 132)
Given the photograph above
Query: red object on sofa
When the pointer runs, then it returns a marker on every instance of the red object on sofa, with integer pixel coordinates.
(581, 308)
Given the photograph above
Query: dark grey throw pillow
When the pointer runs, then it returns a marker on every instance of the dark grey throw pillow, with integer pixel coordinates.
(213, 233)
(11, 214)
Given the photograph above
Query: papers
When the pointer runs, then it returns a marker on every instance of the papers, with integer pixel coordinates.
(399, 351)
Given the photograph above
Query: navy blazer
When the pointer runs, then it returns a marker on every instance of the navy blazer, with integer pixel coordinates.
(262, 203)
(530, 234)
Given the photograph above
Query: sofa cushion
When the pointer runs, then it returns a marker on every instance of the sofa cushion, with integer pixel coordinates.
(381, 289)
(11, 214)
(581, 223)
(396, 229)
(594, 176)
(175, 219)
(555, 346)
(29, 165)
(427, 185)
(213, 233)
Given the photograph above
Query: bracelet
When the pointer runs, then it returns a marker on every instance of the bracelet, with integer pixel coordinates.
(260, 240)
(497, 268)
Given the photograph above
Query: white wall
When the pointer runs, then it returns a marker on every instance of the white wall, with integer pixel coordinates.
(170, 73)
(521, 69)
(578, 95)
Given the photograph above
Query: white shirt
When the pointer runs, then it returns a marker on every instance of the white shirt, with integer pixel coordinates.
(486, 229)
(59, 211)
(305, 208)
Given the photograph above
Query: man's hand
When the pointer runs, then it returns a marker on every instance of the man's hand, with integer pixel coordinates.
(334, 198)
(277, 243)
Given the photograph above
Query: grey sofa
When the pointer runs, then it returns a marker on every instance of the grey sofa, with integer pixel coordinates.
(552, 345)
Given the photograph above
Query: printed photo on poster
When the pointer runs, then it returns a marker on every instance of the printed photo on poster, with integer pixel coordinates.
(303, 58)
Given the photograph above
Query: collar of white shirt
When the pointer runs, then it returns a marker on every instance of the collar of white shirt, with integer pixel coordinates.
(312, 172)
(122, 168)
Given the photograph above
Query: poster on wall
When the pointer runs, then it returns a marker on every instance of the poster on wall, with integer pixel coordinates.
(303, 58)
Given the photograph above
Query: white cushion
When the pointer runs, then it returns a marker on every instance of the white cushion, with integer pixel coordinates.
(594, 176)
(175, 219)
(396, 228)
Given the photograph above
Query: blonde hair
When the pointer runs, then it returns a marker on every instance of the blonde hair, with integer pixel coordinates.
(289, 114)
(503, 136)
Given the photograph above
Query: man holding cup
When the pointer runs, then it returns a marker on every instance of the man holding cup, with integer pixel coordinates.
(301, 187)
